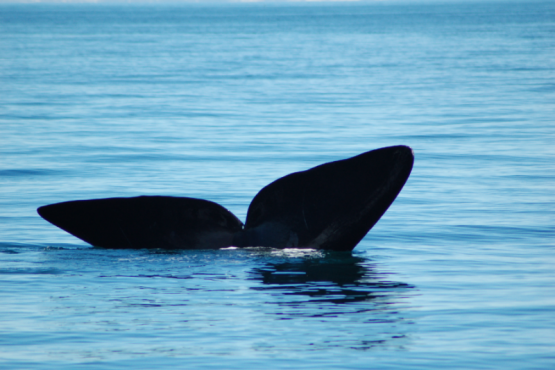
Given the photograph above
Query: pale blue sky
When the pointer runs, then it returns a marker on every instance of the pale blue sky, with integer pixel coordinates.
(227, 1)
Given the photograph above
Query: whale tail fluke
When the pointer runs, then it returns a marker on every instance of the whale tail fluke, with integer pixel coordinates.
(331, 207)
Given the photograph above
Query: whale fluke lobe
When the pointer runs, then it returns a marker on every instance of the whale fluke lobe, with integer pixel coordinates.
(331, 206)
(146, 222)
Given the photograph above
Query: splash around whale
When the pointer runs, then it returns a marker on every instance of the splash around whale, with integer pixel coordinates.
(330, 207)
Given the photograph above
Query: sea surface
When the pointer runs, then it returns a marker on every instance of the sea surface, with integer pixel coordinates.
(215, 101)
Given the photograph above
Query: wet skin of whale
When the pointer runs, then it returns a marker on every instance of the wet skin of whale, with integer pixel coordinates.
(330, 207)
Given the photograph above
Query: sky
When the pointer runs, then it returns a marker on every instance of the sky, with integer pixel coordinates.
(174, 1)
(212, 1)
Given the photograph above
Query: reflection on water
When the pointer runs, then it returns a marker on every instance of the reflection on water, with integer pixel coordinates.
(337, 278)
(296, 303)
(337, 288)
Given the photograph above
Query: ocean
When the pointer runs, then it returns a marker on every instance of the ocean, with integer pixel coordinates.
(215, 101)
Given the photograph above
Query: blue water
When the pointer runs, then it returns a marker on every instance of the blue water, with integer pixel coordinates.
(216, 101)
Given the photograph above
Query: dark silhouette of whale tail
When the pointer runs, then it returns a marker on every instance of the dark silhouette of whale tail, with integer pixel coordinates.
(331, 207)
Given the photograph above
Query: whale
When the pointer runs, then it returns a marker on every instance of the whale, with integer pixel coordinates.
(328, 207)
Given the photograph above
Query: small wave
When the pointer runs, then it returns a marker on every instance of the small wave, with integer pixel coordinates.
(26, 172)
(29, 271)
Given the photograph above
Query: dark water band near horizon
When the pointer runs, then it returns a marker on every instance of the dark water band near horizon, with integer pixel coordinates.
(215, 102)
